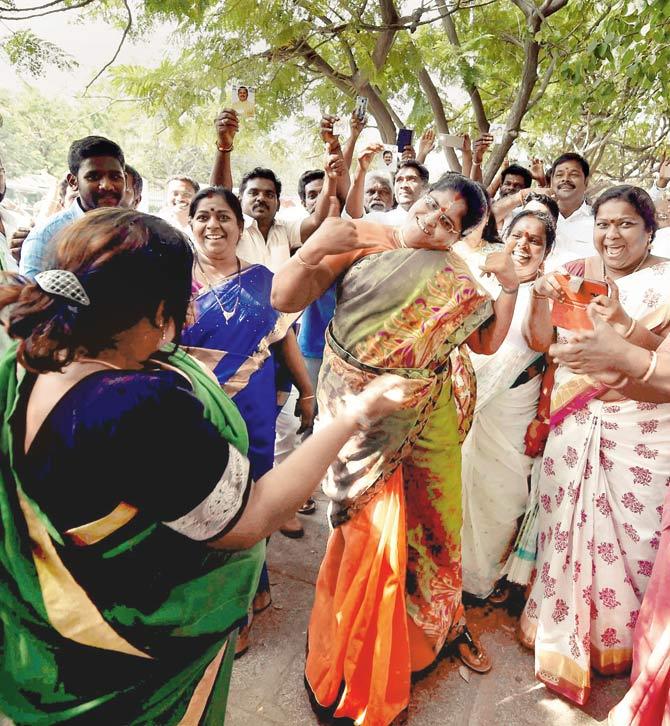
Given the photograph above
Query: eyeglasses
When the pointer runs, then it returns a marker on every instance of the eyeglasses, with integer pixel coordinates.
(443, 219)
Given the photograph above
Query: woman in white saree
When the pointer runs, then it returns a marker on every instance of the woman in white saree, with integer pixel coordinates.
(605, 467)
(495, 467)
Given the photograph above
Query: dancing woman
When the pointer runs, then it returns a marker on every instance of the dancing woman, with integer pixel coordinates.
(388, 595)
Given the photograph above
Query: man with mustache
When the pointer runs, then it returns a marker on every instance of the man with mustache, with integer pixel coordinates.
(569, 176)
(97, 174)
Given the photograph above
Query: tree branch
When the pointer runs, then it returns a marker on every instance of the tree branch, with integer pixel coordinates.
(473, 91)
(14, 17)
(118, 50)
(386, 37)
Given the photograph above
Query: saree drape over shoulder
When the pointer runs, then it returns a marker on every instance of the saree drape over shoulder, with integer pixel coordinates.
(495, 466)
(122, 620)
(239, 352)
(389, 589)
(604, 476)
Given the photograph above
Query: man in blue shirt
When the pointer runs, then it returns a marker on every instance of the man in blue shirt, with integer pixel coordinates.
(97, 173)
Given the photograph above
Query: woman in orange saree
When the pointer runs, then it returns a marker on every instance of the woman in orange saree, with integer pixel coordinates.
(388, 595)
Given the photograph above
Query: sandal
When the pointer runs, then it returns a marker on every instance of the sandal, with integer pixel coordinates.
(500, 593)
(289, 529)
(471, 652)
(262, 601)
(242, 644)
(309, 507)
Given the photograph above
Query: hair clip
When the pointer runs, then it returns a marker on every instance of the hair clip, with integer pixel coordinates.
(64, 284)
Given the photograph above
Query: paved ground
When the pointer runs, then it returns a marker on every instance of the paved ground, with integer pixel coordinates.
(268, 689)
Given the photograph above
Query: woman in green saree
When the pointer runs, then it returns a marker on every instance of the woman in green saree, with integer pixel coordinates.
(388, 596)
(131, 533)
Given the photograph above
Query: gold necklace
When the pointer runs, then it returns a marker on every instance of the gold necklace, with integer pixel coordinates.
(227, 314)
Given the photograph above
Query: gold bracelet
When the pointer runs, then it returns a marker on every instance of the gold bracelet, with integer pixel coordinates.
(223, 149)
(627, 334)
(653, 362)
(305, 398)
(303, 263)
(538, 296)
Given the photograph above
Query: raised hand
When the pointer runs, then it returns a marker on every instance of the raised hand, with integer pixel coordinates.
(326, 130)
(501, 264)
(481, 146)
(537, 171)
(356, 124)
(408, 153)
(664, 172)
(226, 125)
(334, 166)
(426, 143)
(368, 154)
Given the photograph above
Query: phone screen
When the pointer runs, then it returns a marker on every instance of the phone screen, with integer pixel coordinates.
(404, 139)
(451, 141)
(361, 107)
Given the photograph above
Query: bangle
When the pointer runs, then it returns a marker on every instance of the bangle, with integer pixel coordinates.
(631, 327)
(653, 361)
(476, 163)
(303, 263)
(510, 291)
(621, 383)
(306, 398)
(224, 149)
(537, 295)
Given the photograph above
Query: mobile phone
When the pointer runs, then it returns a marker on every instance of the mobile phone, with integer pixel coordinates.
(451, 141)
(570, 313)
(361, 107)
(404, 139)
(497, 131)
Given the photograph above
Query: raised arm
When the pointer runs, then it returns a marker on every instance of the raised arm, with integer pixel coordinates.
(307, 275)
(334, 168)
(426, 145)
(226, 125)
(356, 126)
(355, 207)
(278, 494)
(481, 146)
(490, 336)
(333, 145)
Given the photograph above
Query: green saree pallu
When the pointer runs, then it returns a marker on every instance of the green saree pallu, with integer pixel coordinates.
(70, 654)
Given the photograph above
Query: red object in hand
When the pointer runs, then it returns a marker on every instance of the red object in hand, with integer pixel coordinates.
(570, 313)
(536, 437)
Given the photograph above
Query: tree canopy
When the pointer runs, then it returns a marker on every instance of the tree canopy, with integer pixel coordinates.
(589, 76)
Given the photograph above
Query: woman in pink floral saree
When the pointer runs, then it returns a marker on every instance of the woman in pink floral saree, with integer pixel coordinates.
(605, 467)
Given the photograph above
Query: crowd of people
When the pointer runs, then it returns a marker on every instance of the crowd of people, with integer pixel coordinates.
(399, 345)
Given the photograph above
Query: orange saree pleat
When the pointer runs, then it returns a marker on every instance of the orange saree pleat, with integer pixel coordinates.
(358, 633)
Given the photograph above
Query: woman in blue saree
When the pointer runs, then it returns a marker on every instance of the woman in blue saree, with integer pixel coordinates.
(234, 330)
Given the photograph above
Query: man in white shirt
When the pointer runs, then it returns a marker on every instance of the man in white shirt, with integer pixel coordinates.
(180, 191)
(266, 240)
(574, 231)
